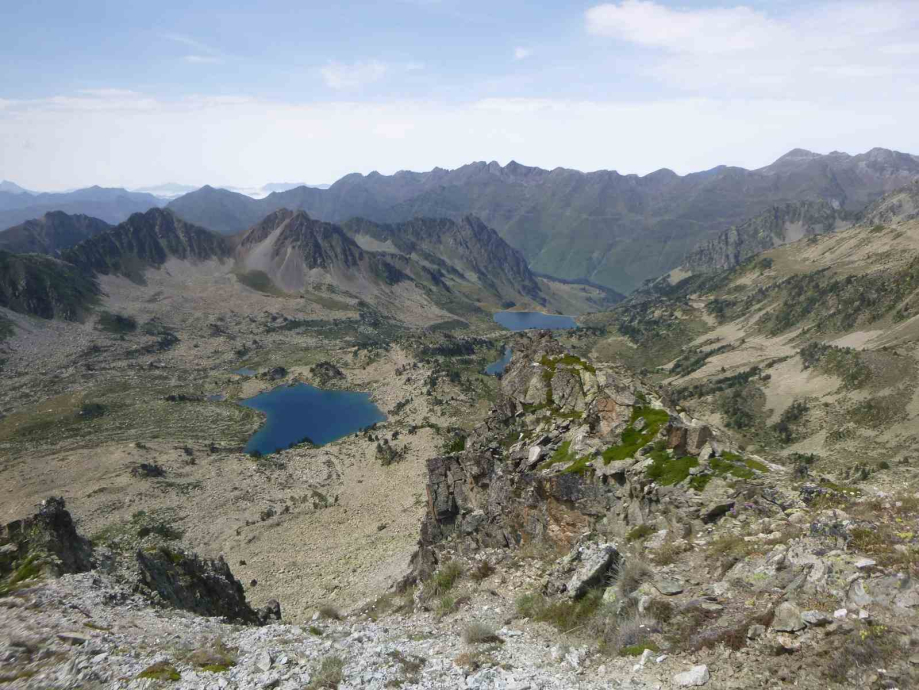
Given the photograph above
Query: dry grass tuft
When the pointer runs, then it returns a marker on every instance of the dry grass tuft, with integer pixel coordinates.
(329, 674)
(479, 633)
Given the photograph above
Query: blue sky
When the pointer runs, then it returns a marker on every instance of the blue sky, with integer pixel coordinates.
(223, 92)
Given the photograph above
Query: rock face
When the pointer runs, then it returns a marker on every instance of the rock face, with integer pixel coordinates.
(569, 448)
(777, 226)
(45, 542)
(205, 587)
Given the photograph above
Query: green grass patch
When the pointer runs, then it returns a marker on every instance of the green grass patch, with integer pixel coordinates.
(724, 466)
(28, 570)
(638, 649)
(160, 671)
(667, 471)
(561, 455)
(755, 465)
(447, 576)
(216, 668)
(634, 440)
(564, 614)
(639, 532)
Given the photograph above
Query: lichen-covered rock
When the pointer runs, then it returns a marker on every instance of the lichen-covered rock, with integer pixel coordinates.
(587, 566)
(787, 618)
(185, 581)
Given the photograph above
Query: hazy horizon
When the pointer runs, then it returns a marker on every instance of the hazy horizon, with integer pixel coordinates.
(192, 95)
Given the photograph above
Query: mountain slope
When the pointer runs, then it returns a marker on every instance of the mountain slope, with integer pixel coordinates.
(110, 205)
(52, 233)
(220, 210)
(45, 287)
(617, 230)
(807, 348)
(294, 251)
(467, 249)
(143, 241)
(777, 226)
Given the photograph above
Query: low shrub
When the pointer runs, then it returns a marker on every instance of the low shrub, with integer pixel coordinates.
(479, 633)
(329, 674)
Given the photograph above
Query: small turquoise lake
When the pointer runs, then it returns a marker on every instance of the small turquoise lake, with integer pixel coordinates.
(499, 366)
(525, 320)
(295, 413)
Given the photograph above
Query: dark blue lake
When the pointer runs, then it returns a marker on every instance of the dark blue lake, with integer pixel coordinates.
(498, 367)
(299, 411)
(523, 320)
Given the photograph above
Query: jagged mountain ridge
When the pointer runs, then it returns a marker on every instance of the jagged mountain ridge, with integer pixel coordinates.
(617, 230)
(146, 240)
(777, 226)
(291, 252)
(467, 249)
(292, 248)
(51, 234)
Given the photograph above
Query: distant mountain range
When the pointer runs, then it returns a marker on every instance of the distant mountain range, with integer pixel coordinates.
(616, 230)
(112, 205)
(51, 234)
(612, 229)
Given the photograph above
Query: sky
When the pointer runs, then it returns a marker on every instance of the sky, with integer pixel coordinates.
(134, 93)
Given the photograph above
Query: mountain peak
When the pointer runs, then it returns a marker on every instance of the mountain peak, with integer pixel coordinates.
(13, 188)
(798, 155)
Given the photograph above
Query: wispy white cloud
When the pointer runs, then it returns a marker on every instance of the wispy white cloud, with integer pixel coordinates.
(716, 30)
(811, 50)
(203, 59)
(521, 53)
(342, 76)
(355, 75)
(203, 55)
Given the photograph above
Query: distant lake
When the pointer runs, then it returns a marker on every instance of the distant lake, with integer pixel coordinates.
(300, 411)
(245, 372)
(524, 320)
(498, 367)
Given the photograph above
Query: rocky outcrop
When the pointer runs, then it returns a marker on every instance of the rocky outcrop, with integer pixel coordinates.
(325, 373)
(205, 587)
(46, 542)
(571, 448)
